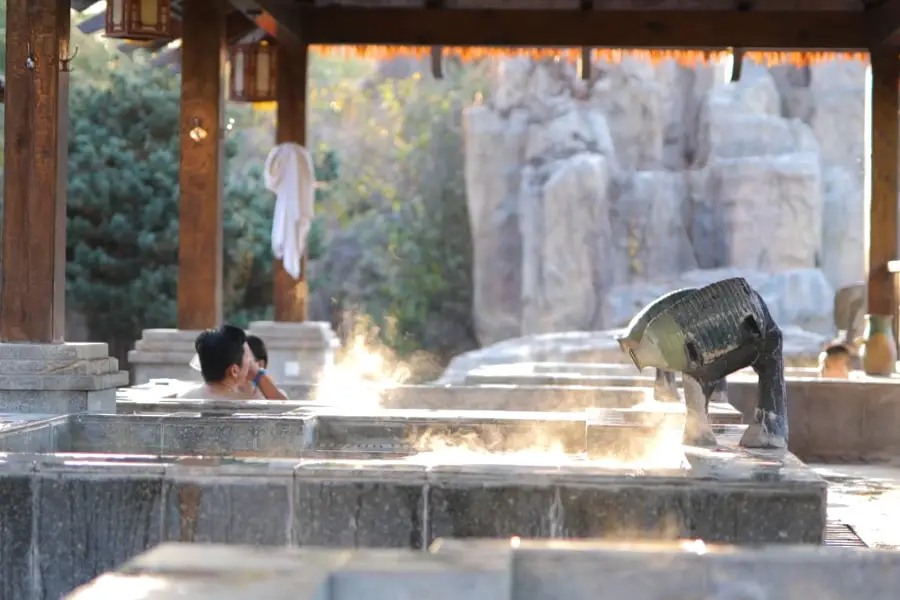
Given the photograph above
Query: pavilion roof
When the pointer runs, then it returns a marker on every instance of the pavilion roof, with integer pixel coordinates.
(798, 31)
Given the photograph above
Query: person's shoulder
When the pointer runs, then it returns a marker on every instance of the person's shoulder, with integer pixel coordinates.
(193, 393)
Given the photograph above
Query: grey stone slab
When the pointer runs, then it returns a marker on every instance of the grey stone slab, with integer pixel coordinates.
(114, 434)
(349, 504)
(215, 572)
(164, 356)
(65, 382)
(236, 503)
(58, 401)
(495, 431)
(532, 570)
(16, 535)
(143, 403)
(92, 518)
(237, 436)
(513, 397)
(68, 350)
(380, 575)
(47, 434)
(726, 497)
(97, 366)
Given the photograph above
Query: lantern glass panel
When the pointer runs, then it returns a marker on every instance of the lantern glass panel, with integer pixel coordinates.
(263, 70)
(118, 13)
(149, 12)
(239, 73)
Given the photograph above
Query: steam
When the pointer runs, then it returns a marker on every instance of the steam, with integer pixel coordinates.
(367, 368)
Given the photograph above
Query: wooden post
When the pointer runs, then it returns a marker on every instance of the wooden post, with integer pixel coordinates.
(202, 111)
(290, 294)
(32, 276)
(883, 190)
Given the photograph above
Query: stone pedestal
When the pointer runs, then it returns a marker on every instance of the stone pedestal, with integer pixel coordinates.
(58, 378)
(163, 354)
(298, 352)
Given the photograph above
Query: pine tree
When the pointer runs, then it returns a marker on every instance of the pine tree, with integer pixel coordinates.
(122, 245)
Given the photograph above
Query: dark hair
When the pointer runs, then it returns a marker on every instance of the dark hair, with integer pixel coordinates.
(837, 349)
(258, 348)
(218, 349)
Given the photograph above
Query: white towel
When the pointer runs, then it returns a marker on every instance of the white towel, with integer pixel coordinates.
(291, 175)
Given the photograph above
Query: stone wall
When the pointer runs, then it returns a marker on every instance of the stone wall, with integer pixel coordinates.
(584, 195)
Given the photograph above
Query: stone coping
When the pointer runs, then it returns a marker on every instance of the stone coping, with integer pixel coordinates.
(341, 432)
(726, 465)
(69, 515)
(504, 570)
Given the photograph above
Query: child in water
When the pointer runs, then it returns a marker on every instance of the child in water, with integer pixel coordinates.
(836, 361)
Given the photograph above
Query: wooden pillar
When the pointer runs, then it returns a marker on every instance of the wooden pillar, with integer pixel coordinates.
(32, 275)
(203, 107)
(882, 177)
(290, 296)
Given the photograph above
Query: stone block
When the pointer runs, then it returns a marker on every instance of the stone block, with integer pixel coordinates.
(164, 354)
(288, 436)
(833, 420)
(220, 501)
(91, 518)
(298, 352)
(526, 398)
(411, 430)
(58, 378)
(354, 504)
(16, 530)
(490, 570)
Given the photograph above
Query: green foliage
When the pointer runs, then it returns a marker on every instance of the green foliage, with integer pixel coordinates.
(123, 211)
(402, 182)
(122, 244)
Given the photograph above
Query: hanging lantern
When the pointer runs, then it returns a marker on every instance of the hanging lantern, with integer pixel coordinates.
(139, 20)
(253, 73)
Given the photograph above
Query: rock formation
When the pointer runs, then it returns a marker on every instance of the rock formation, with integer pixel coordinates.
(588, 198)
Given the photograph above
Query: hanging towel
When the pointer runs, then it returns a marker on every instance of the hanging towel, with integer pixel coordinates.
(291, 175)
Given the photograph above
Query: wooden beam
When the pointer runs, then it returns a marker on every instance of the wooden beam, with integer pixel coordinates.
(883, 25)
(882, 219)
(267, 14)
(570, 28)
(202, 104)
(32, 274)
(290, 295)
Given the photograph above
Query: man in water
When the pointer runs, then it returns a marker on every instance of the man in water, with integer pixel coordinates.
(228, 366)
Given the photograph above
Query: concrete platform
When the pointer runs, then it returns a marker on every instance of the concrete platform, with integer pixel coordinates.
(504, 570)
(83, 494)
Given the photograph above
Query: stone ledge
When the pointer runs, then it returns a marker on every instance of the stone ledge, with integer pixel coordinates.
(313, 334)
(93, 366)
(500, 570)
(68, 350)
(63, 382)
(160, 356)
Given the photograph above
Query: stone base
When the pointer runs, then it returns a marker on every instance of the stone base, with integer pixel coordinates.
(499, 570)
(164, 354)
(58, 378)
(298, 352)
(833, 420)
